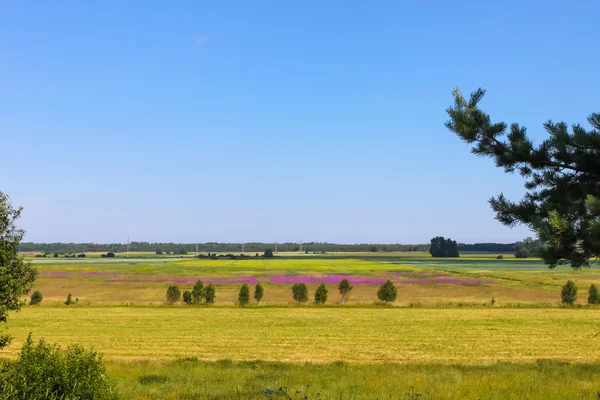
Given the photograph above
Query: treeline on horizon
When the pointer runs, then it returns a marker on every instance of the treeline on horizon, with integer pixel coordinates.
(211, 247)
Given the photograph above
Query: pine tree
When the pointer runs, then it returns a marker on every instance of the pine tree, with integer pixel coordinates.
(593, 295)
(244, 295)
(258, 292)
(321, 294)
(209, 294)
(569, 293)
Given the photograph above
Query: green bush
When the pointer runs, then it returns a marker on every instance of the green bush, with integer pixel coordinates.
(198, 292)
(36, 298)
(69, 300)
(173, 294)
(569, 293)
(209, 294)
(500, 257)
(300, 292)
(187, 297)
(45, 371)
(244, 295)
(387, 292)
(593, 295)
(345, 288)
(321, 294)
(258, 292)
(268, 253)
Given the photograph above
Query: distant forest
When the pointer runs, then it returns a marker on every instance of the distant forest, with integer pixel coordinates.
(182, 248)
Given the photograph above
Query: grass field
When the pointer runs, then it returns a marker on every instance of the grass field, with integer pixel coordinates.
(441, 339)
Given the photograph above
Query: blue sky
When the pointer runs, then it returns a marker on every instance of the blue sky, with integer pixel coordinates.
(276, 121)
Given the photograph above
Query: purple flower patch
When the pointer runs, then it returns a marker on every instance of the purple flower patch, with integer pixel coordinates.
(66, 274)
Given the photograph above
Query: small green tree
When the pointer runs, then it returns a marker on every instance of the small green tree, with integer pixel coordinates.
(244, 295)
(321, 294)
(69, 300)
(173, 294)
(198, 292)
(569, 293)
(268, 253)
(187, 297)
(300, 292)
(345, 288)
(36, 298)
(258, 292)
(387, 292)
(209, 294)
(593, 295)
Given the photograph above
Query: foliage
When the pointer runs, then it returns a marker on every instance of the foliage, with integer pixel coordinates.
(45, 371)
(522, 253)
(69, 300)
(441, 247)
(345, 288)
(268, 253)
(500, 257)
(563, 178)
(36, 298)
(180, 250)
(593, 295)
(321, 294)
(110, 254)
(173, 294)
(387, 292)
(258, 292)
(16, 276)
(529, 248)
(198, 292)
(569, 293)
(81, 255)
(244, 295)
(209, 294)
(187, 297)
(300, 292)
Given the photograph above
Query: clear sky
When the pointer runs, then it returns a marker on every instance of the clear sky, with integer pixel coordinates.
(276, 120)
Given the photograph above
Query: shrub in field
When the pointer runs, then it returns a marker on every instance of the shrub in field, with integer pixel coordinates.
(321, 294)
(36, 298)
(173, 294)
(345, 288)
(158, 252)
(593, 295)
(209, 294)
(187, 297)
(198, 292)
(102, 255)
(81, 255)
(55, 255)
(45, 371)
(569, 293)
(69, 300)
(500, 257)
(522, 253)
(387, 292)
(110, 254)
(258, 292)
(244, 295)
(268, 253)
(300, 292)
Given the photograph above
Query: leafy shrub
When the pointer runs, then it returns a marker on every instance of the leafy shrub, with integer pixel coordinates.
(268, 253)
(569, 293)
(500, 257)
(244, 295)
(36, 298)
(209, 294)
(110, 254)
(45, 371)
(258, 292)
(198, 292)
(158, 252)
(345, 288)
(593, 295)
(387, 292)
(321, 294)
(173, 294)
(300, 292)
(69, 300)
(522, 253)
(187, 297)
(102, 255)
(55, 255)
(81, 255)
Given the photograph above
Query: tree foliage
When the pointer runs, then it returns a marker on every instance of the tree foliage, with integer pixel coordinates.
(187, 297)
(300, 292)
(345, 288)
(562, 178)
(268, 253)
(173, 294)
(210, 294)
(16, 276)
(69, 300)
(568, 293)
(387, 292)
(198, 292)
(36, 298)
(321, 294)
(244, 295)
(593, 295)
(258, 292)
(441, 247)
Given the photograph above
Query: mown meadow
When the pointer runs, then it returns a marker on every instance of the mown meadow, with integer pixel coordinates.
(442, 338)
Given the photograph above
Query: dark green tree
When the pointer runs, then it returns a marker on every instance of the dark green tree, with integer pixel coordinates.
(442, 247)
(198, 292)
(268, 253)
(210, 294)
(69, 300)
(258, 292)
(16, 276)
(522, 252)
(300, 292)
(187, 297)
(569, 293)
(321, 294)
(562, 178)
(244, 295)
(387, 292)
(345, 288)
(173, 294)
(593, 295)
(36, 298)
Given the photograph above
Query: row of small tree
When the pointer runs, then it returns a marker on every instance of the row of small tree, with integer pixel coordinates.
(198, 295)
(568, 294)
